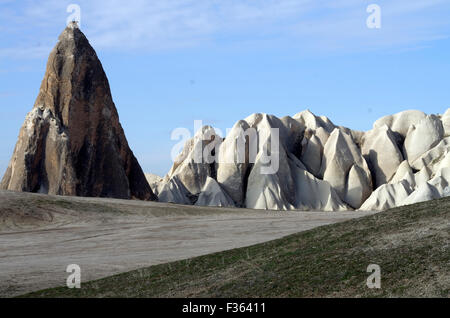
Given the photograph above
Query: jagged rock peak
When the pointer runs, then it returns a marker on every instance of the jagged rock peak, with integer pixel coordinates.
(72, 142)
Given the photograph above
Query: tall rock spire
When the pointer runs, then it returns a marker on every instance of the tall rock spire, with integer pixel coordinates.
(72, 142)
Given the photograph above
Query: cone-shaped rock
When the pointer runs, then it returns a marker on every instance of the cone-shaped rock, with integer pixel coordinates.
(72, 142)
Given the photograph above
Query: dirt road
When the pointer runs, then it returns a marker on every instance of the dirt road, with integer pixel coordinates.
(40, 235)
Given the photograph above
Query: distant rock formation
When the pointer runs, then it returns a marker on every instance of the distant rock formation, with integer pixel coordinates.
(72, 142)
(404, 159)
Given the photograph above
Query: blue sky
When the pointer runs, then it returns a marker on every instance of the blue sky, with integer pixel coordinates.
(170, 62)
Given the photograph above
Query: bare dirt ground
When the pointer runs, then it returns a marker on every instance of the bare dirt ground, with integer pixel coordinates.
(40, 235)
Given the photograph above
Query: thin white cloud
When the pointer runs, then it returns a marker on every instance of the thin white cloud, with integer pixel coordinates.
(314, 25)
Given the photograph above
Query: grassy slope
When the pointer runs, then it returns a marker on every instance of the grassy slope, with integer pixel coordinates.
(411, 244)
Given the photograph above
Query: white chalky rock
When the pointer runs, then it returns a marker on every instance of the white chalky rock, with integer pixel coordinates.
(382, 153)
(423, 137)
(213, 195)
(174, 191)
(387, 196)
(446, 123)
(314, 194)
(340, 155)
(401, 122)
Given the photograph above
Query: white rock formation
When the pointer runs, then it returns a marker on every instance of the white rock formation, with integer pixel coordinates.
(312, 152)
(213, 195)
(423, 193)
(155, 182)
(292, 133)
(382, 153)
(446, 123)
(266, 192)
(441, 182)
(174, 191)
(442, 164)
(403, 172)
(433, 157)
(404, 159)
(342, 156)
(234, 155)
(313, 194)
(191, 166)
(401, 122)
(271, 191)
(423, 137)
(388, 196)
(311, 121)
(422, 177)
(359, 186)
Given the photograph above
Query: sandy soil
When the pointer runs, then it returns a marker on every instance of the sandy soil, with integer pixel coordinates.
(40, 235)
